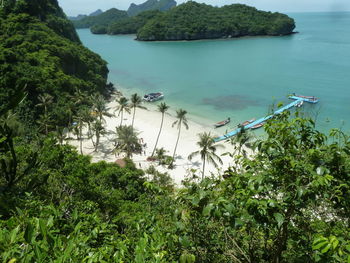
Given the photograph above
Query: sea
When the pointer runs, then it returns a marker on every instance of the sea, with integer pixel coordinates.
(241, 78)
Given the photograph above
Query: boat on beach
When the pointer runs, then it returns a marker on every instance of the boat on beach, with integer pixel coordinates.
(150, 97)
(257, 126)
(222, 123)
(245, 123)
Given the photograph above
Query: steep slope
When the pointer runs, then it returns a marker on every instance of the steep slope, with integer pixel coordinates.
(192, 20)
(105, 18)
(40, 50)
(161, 5)
(128, 25)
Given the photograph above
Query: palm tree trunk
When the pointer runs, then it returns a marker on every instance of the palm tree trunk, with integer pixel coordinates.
(121, 118)
(203, 168)
(97, 140)
(178, 136)
(133, 118)
(81, 138)
(160, 129)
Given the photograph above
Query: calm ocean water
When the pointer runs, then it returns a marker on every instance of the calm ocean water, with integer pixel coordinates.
(240, 78)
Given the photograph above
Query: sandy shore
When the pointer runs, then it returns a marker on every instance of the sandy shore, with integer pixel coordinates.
(147, 123)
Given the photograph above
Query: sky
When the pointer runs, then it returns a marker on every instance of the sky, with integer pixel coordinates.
(75, 7)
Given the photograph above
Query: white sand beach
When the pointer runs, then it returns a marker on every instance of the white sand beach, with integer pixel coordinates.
(147, 123)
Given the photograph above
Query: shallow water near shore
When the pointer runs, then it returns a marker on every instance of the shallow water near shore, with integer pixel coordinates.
(240, 78)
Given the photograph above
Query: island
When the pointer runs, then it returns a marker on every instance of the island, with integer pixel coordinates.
(193, 21)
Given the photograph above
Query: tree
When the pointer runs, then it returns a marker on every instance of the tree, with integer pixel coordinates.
(98, 129)
(121, 107)
(207, 151)
(181, 120)
(45, 101)
(136, 101)
(161, 108)
(79, 119)
(99, 107)
(127, 141)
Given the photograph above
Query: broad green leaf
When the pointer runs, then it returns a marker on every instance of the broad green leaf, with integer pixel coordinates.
(279, 218)
(207, 210)
(326, 248)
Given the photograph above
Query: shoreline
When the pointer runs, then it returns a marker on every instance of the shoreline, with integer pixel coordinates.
(147, 123)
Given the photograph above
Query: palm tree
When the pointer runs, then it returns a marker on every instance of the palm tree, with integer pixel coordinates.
(99, 130)
(207, 150)
(136, 101)
(181, 119)
(45, 101)
(122, 105)
(161, 108)
(79, 119)
(79, 97)
(99, 107)
(127, 140)
(44, 122)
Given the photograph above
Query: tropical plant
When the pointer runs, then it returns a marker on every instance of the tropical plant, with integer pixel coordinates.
(45, 100)
(181, 120)
(79, 120)
(98, 129)
(207, 151)
(135, 102)
(99, 107)
(121, 107)
(163, 107)
(127, 141)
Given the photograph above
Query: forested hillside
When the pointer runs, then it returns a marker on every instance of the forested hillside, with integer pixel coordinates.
(103, 19)
(287, 203)
(191, 20)
(160, 5)
(40, 50)
(128, 25)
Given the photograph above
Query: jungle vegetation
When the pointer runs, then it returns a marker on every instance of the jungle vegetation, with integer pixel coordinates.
(191, 21)
(289, 203)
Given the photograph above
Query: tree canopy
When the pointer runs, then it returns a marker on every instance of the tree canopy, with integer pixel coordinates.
(40, 49)
(191, 21)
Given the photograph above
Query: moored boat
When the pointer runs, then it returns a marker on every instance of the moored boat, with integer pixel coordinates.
(150, 97)
(311, 99)
(222, 123)
(245, 123)
(257, 126)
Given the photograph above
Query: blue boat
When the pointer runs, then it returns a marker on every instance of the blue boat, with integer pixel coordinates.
(310, 99)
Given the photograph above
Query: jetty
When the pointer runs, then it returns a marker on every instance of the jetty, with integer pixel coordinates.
(297, 100)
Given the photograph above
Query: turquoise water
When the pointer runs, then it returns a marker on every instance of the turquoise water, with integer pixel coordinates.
(240, 78)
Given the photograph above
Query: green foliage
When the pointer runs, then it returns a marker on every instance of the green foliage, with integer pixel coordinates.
(129, 25)
(37, 52)
(104, 19)
(161, 5)
(191, 20)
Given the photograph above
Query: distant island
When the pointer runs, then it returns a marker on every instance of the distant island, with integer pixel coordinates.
(192, 21)
(99, 21)
(164, 21)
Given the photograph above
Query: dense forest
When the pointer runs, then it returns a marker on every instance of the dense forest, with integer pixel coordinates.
(103, 19)
(290, 203)
(129, 25)
(191, 21)
(99, 23)
(160, 5)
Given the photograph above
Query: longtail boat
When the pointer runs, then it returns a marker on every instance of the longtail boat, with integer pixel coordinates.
(257, 126)
(245, 123)
(222, 123)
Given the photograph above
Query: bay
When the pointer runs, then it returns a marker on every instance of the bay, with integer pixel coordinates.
(240, 78)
